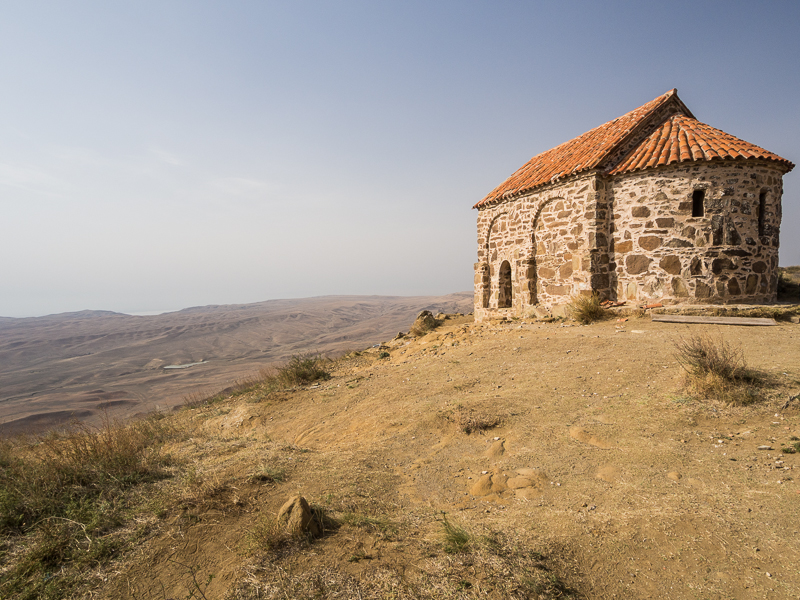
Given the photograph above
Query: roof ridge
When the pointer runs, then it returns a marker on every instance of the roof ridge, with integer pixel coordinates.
(659, 132)
(606, 143)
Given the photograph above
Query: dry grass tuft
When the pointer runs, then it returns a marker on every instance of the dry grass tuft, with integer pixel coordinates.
(267, 535)
(586, 309)
(301, 369)
(266, 474)
(455, 538)
(469, 420)
(63, 497)
(716, 370)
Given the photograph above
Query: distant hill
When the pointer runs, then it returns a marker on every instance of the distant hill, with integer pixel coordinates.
(84, 364)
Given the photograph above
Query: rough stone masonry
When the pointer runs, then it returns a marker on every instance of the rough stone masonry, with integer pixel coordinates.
(653, 206)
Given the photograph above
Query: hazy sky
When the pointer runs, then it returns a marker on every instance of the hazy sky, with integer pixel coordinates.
(165, 154)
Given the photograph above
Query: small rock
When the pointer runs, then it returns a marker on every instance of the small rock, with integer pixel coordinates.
(424, 323)
(297, 517)
(765, 447)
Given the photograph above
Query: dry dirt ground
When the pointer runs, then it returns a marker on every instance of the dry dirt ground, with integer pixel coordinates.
(599, 469)
(88, 364)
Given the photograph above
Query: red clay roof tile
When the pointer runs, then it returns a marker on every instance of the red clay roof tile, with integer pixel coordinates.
(680, 137)
(580, 154)
(679, 134)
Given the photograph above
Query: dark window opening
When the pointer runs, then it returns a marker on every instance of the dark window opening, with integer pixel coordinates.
(762, 209)
(697, 203)
(504, 299)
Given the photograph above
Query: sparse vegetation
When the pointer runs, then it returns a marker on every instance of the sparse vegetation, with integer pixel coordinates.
(266, 474)
(366, 455)
(303, 369)
(793, 447)
(63, 497)
(479, 566)
(455, 538)
(586, 309)
(382, 526)
(715, 369)
(267, 535)
(469, 420)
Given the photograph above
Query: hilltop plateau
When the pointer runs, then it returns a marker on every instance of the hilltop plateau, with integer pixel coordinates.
(509, 460)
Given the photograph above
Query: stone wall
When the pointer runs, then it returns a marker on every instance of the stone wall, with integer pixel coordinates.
(633, 237)
(661, 252)
(549, 240)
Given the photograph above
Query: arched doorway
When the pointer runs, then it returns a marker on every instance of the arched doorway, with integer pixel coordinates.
(505, 293)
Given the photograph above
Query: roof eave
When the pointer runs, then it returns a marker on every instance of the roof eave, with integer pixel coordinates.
(784, 164)
(516, 194)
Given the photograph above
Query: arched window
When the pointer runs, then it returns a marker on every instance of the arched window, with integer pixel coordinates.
(504, 298)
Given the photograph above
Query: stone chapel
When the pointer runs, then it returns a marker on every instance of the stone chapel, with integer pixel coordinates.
(652, 206)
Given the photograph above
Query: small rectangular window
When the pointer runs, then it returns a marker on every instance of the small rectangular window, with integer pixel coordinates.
(697, 203)
(762, 208)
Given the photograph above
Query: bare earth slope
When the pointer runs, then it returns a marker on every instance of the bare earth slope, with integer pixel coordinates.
(79, 365)
(627, 487)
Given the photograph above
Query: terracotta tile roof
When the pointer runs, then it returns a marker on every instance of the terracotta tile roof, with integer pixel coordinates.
(678, 136)
(682, 138)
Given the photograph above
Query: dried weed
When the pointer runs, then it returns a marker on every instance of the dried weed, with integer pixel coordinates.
(716, 370)
(586, 309)
(469, 420)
